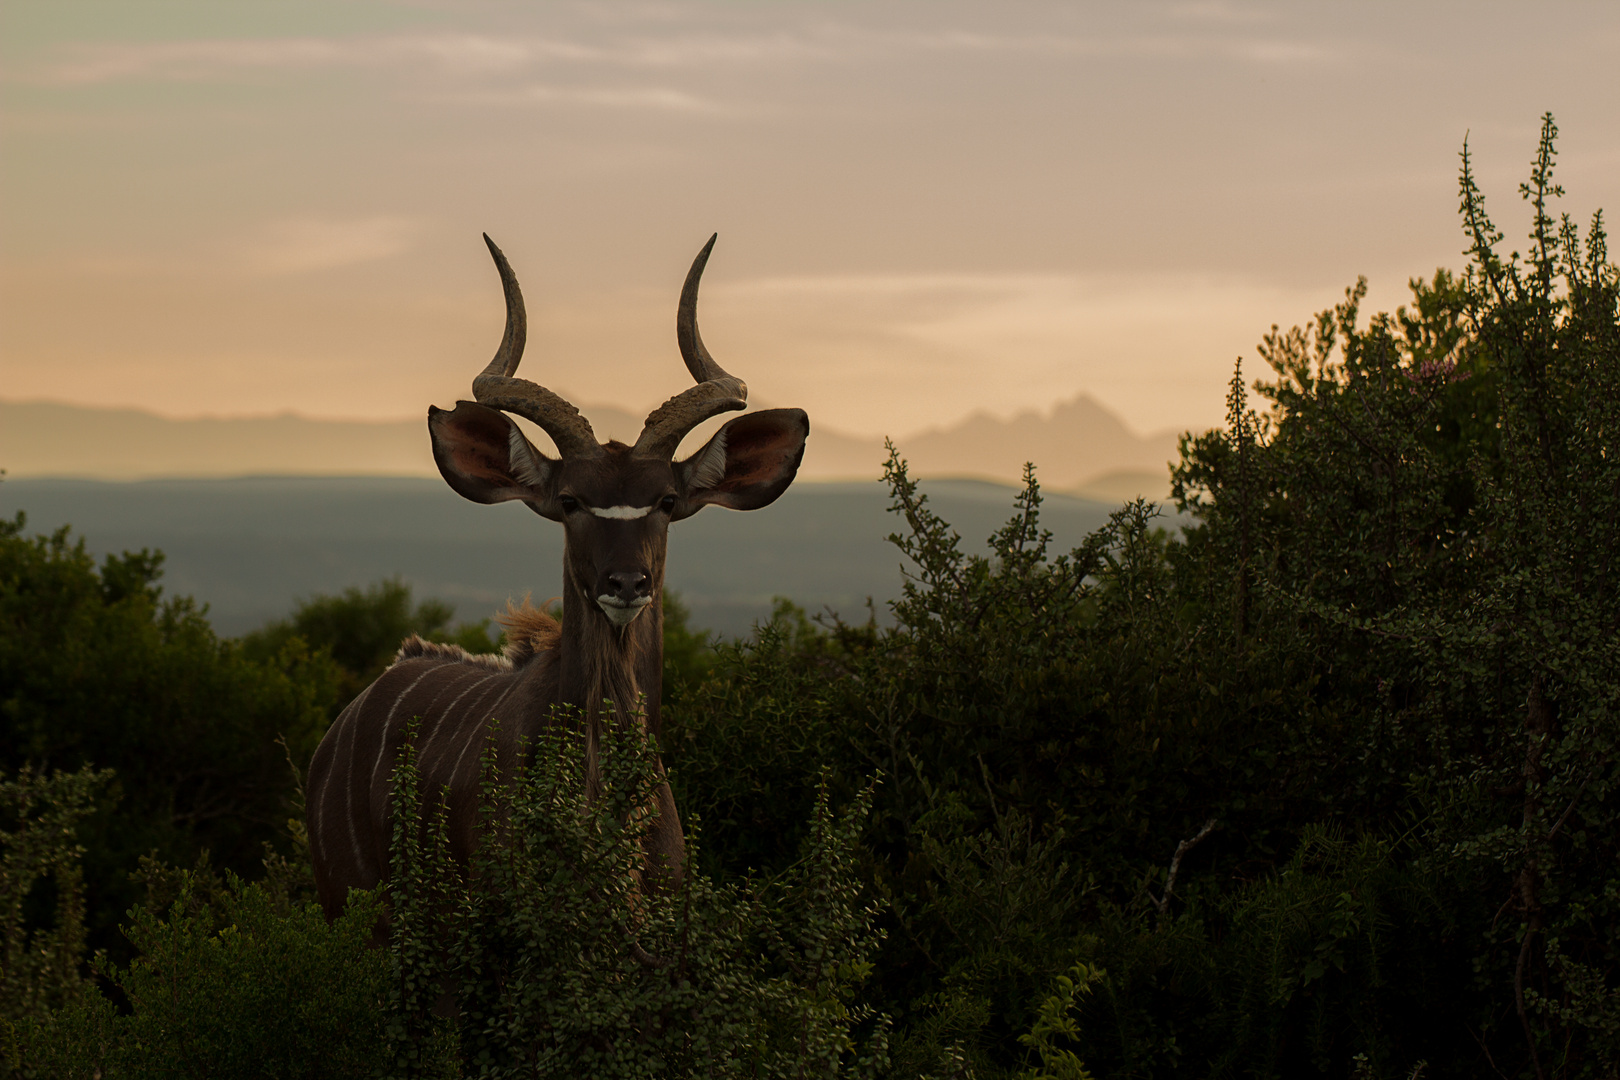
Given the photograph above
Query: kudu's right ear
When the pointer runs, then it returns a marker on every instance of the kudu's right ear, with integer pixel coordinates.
(484, 457)
(746, 465)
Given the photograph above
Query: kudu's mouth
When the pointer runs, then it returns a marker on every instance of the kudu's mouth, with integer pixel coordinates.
(622, 613)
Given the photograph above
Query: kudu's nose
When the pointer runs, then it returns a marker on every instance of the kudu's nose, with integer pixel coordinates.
(624, 594)
(629, 585)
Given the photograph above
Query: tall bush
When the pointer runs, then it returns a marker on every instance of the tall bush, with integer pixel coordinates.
(231, 979)
(98, 668)
(1325, 782)
(42, 932)
(1435, 494)
(559, 963)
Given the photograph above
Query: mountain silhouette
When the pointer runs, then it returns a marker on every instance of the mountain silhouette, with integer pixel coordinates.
(1079, 446)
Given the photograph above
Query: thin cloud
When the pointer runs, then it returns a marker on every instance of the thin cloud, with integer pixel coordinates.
(1218, 11)
(653, 98)
(464, 54)
(894, 284)
(1166, 46)
(301, 245)
(934, 305)
(1282, 53)
(695, 50)
(91, 64)
(472, 55)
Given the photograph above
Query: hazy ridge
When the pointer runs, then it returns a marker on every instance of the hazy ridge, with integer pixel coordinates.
(1080, 446)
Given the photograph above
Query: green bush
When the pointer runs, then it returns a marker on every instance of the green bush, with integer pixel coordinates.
(560, 964)
(232, 980)
(98, 668)
(1380, 657)
(361, 631)
(41, 890)
(753, 733)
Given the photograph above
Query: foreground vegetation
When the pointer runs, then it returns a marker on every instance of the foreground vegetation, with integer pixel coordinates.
(1324, 785)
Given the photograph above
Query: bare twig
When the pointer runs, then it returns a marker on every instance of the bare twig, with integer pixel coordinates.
(1486, 1050)
(1163, 902)
(645, 958)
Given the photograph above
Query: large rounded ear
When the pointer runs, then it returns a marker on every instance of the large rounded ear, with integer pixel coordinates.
(747, 464)
(484, 457)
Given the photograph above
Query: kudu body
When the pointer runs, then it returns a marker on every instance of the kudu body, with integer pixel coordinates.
(615, 503)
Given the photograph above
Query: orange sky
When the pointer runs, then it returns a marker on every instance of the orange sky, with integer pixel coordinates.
(925, 209)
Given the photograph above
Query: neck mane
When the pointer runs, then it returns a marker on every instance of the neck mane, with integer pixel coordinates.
(608, 673)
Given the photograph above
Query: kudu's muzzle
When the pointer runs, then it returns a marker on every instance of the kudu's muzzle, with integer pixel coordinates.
(623, 594)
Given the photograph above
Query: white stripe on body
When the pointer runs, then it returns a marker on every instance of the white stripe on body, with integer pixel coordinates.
(317, 838)
(445, 714)
(388, 722)
(382, 749)
(351, 716)
(455, 770)
(428, 710)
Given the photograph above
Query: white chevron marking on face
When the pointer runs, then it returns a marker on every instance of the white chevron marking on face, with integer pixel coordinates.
(623, 513)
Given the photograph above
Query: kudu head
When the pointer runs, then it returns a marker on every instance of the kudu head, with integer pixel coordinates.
(615, 501)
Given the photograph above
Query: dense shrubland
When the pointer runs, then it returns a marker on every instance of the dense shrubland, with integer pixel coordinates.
(1325, 783)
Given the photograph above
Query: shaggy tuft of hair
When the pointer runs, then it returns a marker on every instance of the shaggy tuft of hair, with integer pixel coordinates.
(529, 631)
(415, 646)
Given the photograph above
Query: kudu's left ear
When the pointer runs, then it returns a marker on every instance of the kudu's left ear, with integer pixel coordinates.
(485, 458)
(747, 464)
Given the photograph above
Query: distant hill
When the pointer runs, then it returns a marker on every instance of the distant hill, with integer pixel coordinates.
(1077, 446)
(250, 547)
(47, 439)
(1078, 442)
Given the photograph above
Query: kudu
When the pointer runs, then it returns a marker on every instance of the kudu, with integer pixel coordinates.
(615, 503)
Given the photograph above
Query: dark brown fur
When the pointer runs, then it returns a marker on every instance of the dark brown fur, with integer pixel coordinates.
(615, 503)
(455, 697)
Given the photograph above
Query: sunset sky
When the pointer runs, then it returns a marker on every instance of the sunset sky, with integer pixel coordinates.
(924, 209)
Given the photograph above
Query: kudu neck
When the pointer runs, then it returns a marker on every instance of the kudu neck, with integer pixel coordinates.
(598, 660)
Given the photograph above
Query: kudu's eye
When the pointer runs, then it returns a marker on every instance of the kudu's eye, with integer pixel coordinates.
(568, 503)
(667, 504)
